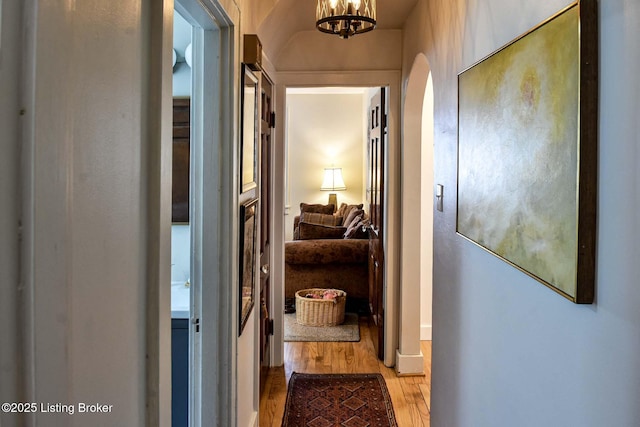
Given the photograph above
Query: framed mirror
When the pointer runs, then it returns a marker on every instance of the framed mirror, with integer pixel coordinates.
(248, 130)
(247, 234)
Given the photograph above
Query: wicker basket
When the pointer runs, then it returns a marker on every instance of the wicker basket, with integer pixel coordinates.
(320, 312)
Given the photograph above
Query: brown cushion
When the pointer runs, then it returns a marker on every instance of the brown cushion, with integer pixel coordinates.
(317, 208)
(341, 209)
(322, 219)
(308, 231)
(326, 251)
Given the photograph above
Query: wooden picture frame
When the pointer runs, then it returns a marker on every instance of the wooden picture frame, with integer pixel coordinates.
(527, 152)
(248, 130)
(247, 232)
(181, 173)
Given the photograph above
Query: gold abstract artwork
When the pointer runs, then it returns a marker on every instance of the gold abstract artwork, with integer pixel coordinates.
(518, 152)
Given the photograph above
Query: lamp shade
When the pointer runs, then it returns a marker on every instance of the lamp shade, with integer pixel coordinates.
(333, 180)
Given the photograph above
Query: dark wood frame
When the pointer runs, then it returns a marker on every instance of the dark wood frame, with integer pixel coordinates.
(248, 227)
(377, 147)
(267, 123)
(181, 161)
(248, 130)
(587, 152)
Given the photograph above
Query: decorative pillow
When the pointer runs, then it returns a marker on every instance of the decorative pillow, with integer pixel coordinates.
(362, 232)
(356, 231)
(341, 209)
(321, 219)
(353, 228)
(346, 209)
(317, 208)
(352, 215)
(316, 231)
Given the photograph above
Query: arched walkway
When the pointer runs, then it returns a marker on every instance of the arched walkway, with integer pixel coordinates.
(417, 219)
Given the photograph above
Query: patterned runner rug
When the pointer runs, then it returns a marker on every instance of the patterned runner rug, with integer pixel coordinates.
(324, 400)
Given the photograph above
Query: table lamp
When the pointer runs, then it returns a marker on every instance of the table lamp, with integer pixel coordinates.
(333, 182)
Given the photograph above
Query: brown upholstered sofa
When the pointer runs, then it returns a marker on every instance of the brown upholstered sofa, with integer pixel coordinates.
(335, 262)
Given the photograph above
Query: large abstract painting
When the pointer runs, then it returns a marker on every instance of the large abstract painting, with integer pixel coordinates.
(527, 152)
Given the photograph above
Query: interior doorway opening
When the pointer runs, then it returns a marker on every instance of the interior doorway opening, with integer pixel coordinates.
(417, 219)
(201, 255)
(180, 221)
(327, 131)
(391, 81)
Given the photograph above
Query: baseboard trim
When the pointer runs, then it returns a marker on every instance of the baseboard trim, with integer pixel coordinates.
(409, 364)
(426, 333)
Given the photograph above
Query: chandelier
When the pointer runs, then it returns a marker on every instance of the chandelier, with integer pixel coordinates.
(346, 18)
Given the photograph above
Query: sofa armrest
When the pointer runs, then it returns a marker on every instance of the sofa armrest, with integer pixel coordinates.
(326, 251)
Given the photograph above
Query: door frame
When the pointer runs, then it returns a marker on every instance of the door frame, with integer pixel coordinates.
(215, 83)
(392, 80)
(417, 239)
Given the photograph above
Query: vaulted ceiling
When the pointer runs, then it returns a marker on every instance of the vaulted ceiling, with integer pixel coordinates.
(286, 18)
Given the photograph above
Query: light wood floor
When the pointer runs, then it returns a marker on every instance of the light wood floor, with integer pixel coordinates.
(411, 396)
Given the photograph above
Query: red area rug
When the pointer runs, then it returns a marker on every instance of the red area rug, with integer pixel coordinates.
(338, 400)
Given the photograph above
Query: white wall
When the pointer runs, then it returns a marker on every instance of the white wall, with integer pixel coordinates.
(9, 208)
(181, 71)
(94, 321)
(249, 369)
(506, 350)
(426, 231)
(96, 165)
(323, 130)
(180, 252)
(313, 50)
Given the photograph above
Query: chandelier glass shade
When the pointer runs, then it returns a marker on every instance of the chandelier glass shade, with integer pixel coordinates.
(346, 18)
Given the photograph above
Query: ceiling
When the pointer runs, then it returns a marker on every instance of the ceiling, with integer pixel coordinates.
(288, 17)
(327, 90)
(393, 13)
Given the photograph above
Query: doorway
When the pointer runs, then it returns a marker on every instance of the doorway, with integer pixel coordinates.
(390, 79)
(209, 63)
(328, 129)
(417, 218)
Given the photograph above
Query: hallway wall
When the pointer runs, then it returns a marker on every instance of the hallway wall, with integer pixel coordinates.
(314, 51)
(507, 351)
(426, 232)
(9, 208)
(90, 178)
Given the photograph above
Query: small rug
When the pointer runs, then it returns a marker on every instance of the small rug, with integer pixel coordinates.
(348, 331)
(338, 400)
